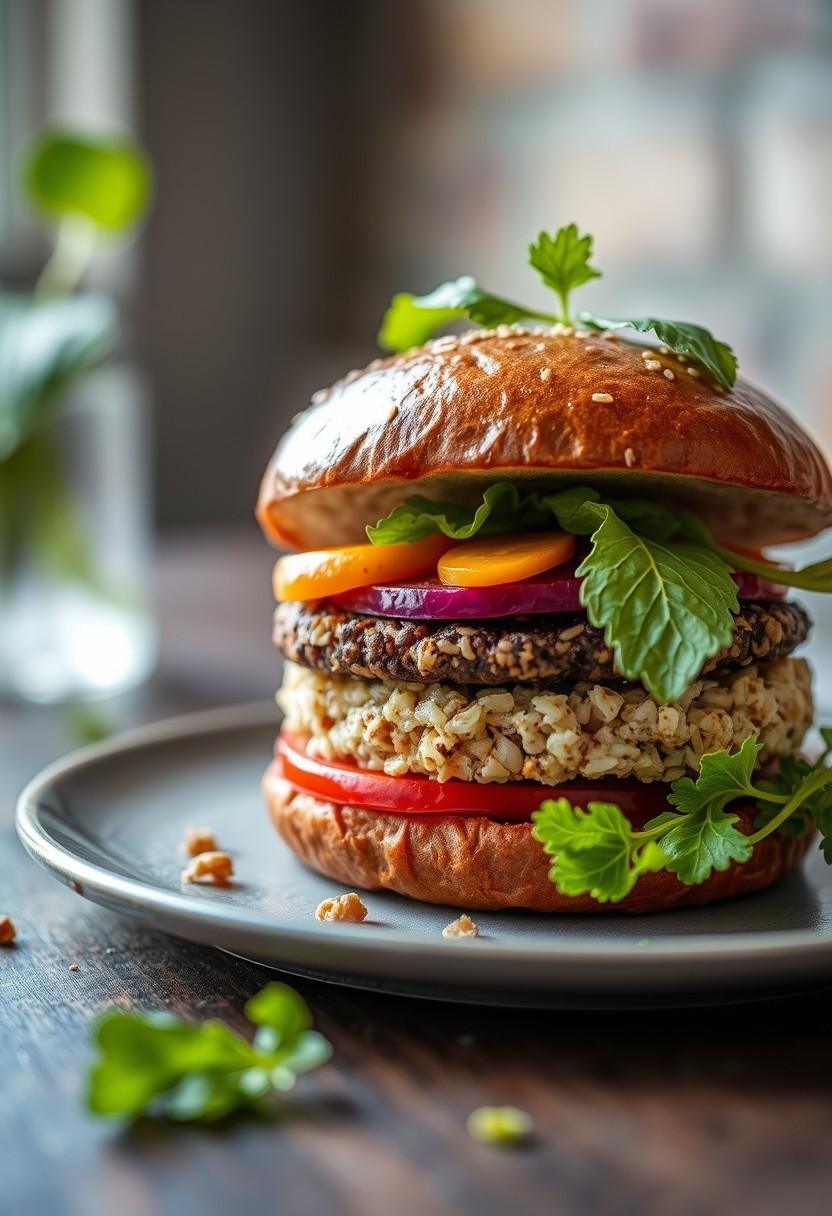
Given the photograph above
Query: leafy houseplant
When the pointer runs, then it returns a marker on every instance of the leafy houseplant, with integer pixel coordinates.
(50, 340)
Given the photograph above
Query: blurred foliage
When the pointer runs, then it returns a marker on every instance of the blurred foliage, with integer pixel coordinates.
(109, 182)
(48, 340)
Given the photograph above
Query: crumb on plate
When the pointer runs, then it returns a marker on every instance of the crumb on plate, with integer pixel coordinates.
(199, 840)
(342, 907)
(213, 867)
(7, 931)
(463, 926)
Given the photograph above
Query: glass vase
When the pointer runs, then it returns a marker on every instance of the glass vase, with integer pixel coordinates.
(75, 621)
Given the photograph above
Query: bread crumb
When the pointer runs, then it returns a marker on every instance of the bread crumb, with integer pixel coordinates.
(342, 907)
(629, 457)
(603, 398)
(73, 966)
(7, 931)
(213, 867)
(463, 926)
(199, 840)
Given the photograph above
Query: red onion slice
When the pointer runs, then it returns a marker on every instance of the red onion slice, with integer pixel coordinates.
(429, 599)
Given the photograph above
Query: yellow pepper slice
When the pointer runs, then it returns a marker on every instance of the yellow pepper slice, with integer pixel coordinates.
(493, 560)
(323, 572)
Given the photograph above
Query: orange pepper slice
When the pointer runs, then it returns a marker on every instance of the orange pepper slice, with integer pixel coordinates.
(322, 572)
(504, 559)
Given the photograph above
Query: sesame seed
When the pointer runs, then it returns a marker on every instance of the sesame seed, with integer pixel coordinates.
(647, 354)
(581, 333)
(391, 413)
(665, 350)
(589, 347)
(693, 371)
(545, 373)
(652, 365)
(503, 331)
(629, 457)
(668, 374)
(682, 358)
(375, 365)
(320, 395)
(603, 398)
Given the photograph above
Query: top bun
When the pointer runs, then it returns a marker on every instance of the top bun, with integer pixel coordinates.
(547, 407)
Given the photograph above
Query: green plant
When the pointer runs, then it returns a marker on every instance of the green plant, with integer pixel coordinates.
(91, 191)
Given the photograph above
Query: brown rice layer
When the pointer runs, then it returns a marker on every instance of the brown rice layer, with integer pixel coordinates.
(520, 733)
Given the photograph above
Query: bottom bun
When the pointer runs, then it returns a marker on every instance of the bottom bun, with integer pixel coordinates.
(473, 862)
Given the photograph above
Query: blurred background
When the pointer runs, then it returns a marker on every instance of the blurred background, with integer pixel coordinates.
(313, 157)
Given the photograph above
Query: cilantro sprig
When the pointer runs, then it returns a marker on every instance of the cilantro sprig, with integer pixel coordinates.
(153, 1063)
(563, 263)
(597, 851)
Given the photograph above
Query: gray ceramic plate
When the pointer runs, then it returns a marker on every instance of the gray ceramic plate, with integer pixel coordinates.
(107, 821)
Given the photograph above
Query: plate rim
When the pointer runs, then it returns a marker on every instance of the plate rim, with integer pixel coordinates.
(129, 894)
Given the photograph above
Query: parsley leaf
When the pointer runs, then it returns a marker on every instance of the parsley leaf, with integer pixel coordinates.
(723, 776)
(596, 851)
(155, 1064)
(665, 609)
(411, 320)
(682, 337)
(702, 842)
(562, 261)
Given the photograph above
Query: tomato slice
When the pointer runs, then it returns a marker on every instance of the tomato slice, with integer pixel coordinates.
(322, 572)
(494, 560)
(348, 785)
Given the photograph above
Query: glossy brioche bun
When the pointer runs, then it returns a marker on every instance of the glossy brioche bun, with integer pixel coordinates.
(474, 863)
(463, 412)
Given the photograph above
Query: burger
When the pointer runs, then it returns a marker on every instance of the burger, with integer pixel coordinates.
(536, 655)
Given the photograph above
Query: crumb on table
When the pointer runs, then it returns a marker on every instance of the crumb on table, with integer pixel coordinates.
(342, 907)
(73, 966)
(214, 867)
(463, 926)
(199, 840)
(7, 931)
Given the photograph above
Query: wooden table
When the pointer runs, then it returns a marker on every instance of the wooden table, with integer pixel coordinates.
(702, 1111)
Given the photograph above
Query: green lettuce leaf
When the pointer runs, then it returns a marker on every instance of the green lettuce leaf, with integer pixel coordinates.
(411, 320)
(683, 338)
